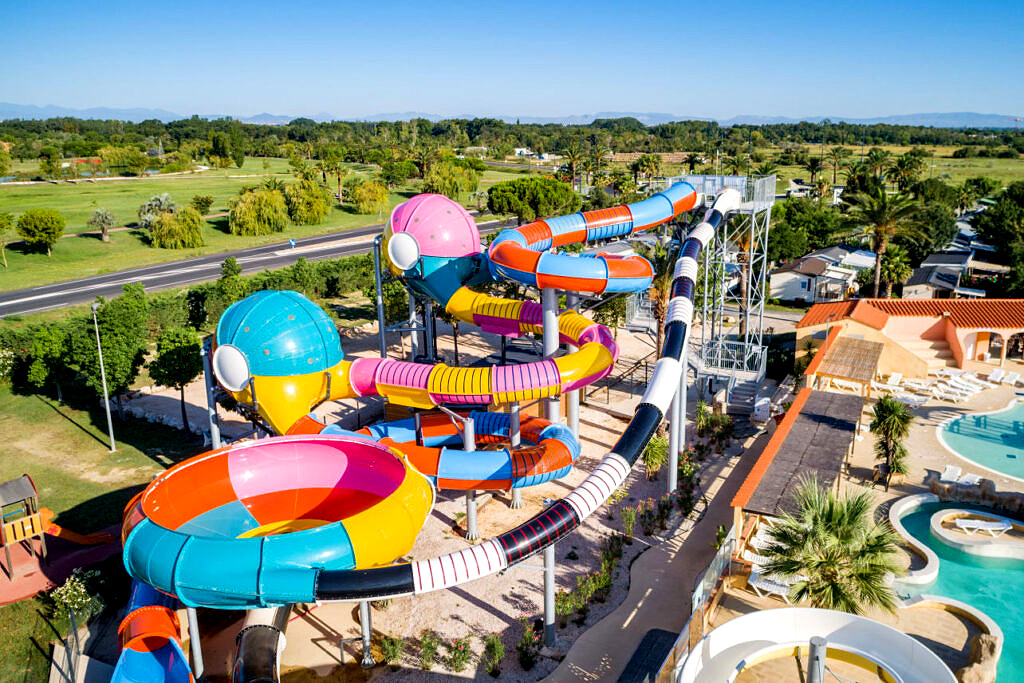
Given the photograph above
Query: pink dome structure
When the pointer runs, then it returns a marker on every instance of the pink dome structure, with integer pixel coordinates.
(441, 226)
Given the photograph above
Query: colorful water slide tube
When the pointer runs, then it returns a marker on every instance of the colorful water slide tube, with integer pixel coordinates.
(523, 254)
(150, 640)
(494, 466)
(258, 646)
(565, 515)
(253, 524)
(280, 354)
(56, 530)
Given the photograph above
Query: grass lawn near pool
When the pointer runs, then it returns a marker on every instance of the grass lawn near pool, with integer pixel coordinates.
(26, 633)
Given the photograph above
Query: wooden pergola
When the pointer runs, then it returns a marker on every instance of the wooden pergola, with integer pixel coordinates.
(845, 362)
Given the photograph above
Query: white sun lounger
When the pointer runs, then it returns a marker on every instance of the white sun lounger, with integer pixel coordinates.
(972, 379)
(997, 375)
(944, 395)
(911, 400)
(1011, 378)
(964, 385)
(763, 586)
(994, 528)
(949, 372)
(970, 479)
(887, 388)
(922, 384)
(951, 474)
(755, 559)
(895, 378)
(952, 388)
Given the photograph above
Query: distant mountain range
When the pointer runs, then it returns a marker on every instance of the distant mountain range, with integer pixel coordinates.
(938, 120)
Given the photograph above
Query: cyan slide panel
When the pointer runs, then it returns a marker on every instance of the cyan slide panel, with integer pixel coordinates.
(604, 232)
(651, 211)
(335, 430)
(584, 267)
(562, 224)
(627, 284)
(475, 466)
(230, 520)
(562, 433)
(151, 552)
(222, 573)
(510, 235)
(535, 479)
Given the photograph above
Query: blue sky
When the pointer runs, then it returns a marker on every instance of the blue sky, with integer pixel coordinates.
(720, 59)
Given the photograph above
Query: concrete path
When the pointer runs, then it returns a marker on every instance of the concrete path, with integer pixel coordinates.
(662, 581)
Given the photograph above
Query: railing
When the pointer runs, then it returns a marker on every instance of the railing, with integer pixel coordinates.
(700, 603)
(643, 365)
(726, 355)
(640, 311)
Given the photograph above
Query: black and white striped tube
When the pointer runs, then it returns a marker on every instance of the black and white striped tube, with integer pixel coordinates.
(565, 515)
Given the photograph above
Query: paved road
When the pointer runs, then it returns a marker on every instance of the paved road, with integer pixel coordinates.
(191, 271)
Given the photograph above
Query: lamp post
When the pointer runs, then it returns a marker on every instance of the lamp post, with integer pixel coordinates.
(103, 376)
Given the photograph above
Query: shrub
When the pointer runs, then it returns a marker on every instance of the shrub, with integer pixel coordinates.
(494, 652)
(611, 547)
(430, 642)
(655, 456)
(528, 646)
(202, 203)
(458, 654)
(391, 649)
(664, 509)
(154, 207)
(101, 221)
(370, 197)
(565, 603)
(75, 595)
(308, 203)
(628, 523)
(260, 212)
(647, 517)
(41, 228)
(182, 229)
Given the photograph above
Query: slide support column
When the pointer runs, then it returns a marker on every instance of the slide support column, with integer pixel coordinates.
(516, 439)
(549, 595)
(366, 626)
(469, 445)
(211, 404)
(549, 302)
(572, 300)
(816, 660)
(378, 280)
(413, 324)
(195, 647)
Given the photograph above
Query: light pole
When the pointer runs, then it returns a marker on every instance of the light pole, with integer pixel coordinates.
(103, 376)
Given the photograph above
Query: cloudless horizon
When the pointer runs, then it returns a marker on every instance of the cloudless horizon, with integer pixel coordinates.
(715, 60)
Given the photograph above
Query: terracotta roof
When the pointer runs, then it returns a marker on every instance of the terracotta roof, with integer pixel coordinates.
(1006, 314)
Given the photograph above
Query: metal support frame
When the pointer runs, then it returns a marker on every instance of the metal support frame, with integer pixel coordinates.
(211, 402)
(549, 303)
(194, 645)
(816, 656)
(549, 595)
(413, 323)
(572, 301)
(430, 331)
(366, 628)
(468, 445)
(103, 375)
(515, 439)
(378, 280)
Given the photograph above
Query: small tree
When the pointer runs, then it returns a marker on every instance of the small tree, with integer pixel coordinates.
(308, 202)
(370, 197)
(6, 232)
(260, 212)
(49, 357)
(101, 220)
(180, 230)
(890, 424)
(153, 207)
(202, 203)
(41, 228)
(178, 361)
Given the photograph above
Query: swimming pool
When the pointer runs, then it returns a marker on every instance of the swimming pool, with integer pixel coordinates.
(994, 440)
(992, 585)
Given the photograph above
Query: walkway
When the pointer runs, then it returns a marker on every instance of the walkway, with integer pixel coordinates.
(662, 582)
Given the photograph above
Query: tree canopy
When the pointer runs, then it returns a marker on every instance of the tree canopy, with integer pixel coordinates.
(530, 198)
(178, 361)
(41, 228)
(259, 212)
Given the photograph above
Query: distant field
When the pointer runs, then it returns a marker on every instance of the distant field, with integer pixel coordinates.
(86, 255)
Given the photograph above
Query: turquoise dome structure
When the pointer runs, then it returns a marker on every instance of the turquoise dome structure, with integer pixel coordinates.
(281, 333)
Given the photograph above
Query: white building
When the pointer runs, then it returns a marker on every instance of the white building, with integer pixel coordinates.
(812, 280)
(845, 256)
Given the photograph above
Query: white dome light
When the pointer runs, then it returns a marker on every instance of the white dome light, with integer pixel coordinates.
(230, 367)
(403, 250)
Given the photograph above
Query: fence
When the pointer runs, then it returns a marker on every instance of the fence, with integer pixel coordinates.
(700, 605)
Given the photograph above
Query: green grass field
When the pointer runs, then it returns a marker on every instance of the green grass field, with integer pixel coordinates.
(84, 255)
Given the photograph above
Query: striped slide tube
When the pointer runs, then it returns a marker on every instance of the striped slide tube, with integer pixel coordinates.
(521, 254)
(565, 515)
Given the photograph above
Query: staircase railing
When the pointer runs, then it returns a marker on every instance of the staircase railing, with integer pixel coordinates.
(642, 365)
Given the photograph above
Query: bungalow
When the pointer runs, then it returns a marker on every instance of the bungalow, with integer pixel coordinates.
(939, 277)
(811, 279)
(846, 256)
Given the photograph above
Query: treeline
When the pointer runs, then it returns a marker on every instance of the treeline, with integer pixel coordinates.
(374, 142)
(60, 358)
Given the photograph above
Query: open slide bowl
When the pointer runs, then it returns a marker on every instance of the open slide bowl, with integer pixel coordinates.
(252, 523)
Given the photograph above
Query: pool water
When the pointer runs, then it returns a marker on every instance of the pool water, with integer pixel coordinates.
(994, 441)
(993, 585)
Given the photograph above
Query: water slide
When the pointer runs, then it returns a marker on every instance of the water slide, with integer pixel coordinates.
(150, 640)
(298, 518)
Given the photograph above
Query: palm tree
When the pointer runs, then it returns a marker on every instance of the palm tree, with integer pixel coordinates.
(891, 425)
(822, 187)
(814, 166)
(650, 164)
(895, 267)
(837, 556)
(573, 155)
(766, 168)
(965, 197)
(691, 161)
(835, 156)
(660, 291)
(878, 217)
(878, 160)
(735, 165)
(905, 169)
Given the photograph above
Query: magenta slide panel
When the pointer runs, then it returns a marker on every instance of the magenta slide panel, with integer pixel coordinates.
(651, 211)
(402, 373)
(531, 313)
(363, 375)
(506, 327)
(526, 376)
